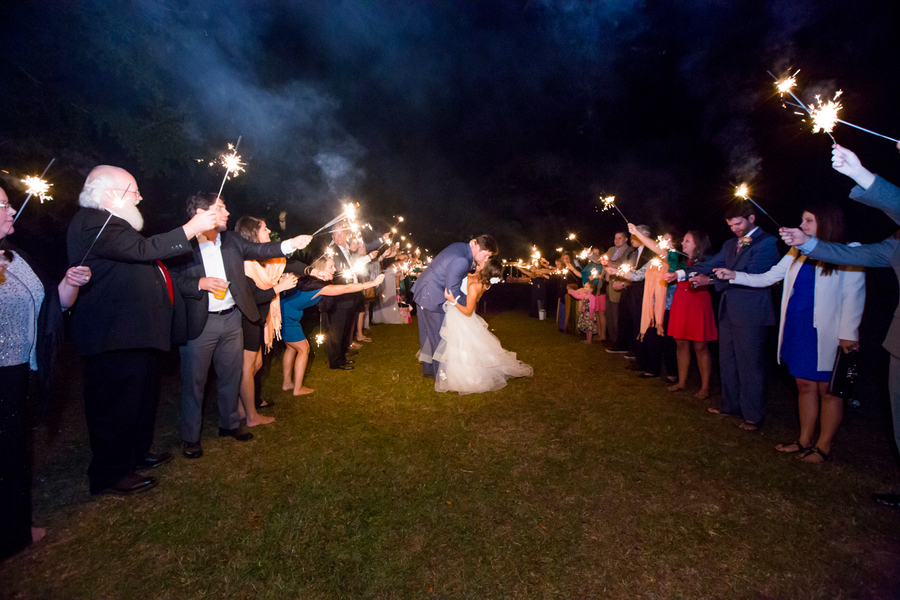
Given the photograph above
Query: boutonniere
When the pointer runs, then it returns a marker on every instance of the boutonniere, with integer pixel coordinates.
(745, 241)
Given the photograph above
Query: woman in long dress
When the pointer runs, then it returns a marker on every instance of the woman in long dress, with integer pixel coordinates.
(471, 358)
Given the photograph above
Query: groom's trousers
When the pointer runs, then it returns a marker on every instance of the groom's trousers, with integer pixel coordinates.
(429, 334)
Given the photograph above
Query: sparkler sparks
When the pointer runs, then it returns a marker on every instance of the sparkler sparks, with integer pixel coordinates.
(825, 116)
(610, 202)
(232, 162)
(663, 243)
(743, 191)
(786, 84)
(656, 263)
(320, 339)
(35, 186)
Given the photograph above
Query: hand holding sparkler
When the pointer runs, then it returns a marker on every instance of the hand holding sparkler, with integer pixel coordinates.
(846, 162)
(722, 273)
(793, 236)
(300, 242)
(203, 220)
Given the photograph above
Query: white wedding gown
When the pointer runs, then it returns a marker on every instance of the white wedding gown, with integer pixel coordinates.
(471, 357)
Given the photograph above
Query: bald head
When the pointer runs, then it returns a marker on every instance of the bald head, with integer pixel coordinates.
(106, 187)
(113, 189)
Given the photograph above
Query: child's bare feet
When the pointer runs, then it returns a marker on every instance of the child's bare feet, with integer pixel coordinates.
(303, 391)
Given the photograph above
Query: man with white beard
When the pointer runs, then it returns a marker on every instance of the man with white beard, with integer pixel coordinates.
(122, 324)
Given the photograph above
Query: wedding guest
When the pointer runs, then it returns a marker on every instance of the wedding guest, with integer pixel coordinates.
(871, 190)
(690, 320)
(572, 281)
(589, 302)
(31, 315)
(630, 301)
(266, 280)
(617, 254)
(121, 348)
(821, 307)
(217, 296)
(310, 291)
(745, 316)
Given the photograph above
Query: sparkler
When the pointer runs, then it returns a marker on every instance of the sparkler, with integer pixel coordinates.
(349, 213)
(610, 202)
(625, 269)
(232, 163)
(117, 203)
(824, 116)
(656, 263)
(743, 191)
(35, 186)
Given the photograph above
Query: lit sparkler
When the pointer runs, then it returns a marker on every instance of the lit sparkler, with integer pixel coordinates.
(625, 269)
(825, 116)
(349, 213)
(743, 191)
(320, 339)
(35, 186)
(610, 202)
(231, 160)
(663, 243)
(656, 263)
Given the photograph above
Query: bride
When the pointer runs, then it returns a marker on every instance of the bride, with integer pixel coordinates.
(471, 359)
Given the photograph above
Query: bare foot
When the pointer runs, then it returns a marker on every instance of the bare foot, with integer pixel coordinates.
(355, 346)
(363, 339)
(792, 448)
(585, 342)
(675, 388)
(749, 426)
(303, 391)
(260, 420)
(287, 386)
(37, 534)
(702, 395)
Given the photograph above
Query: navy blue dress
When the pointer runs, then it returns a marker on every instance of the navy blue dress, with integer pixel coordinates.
(799, 344)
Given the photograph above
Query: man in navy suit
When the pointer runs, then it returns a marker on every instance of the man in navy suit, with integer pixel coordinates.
(447, 270)
(745, 316)
(216, 293)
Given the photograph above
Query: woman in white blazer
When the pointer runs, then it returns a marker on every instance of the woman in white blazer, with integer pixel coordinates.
(821, 307)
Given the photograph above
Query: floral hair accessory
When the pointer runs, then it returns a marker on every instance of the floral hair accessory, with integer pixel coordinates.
(494, 280)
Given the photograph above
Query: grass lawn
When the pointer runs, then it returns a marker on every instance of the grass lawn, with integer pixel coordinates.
(581, 482)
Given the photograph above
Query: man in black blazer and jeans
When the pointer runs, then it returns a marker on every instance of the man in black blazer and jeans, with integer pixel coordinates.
(121, 324)
(216, 293)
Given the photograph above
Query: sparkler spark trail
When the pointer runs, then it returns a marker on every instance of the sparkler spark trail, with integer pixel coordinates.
(32, 191)
(743, 191)
(320, 339)
(35, 186)
(232, 163)
(786, 84)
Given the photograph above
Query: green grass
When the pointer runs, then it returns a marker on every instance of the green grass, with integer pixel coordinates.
(582, 481)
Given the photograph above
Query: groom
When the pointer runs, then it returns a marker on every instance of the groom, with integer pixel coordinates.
(447, 270)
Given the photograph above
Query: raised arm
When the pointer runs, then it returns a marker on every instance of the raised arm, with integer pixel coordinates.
(349, 288)
(646, 241)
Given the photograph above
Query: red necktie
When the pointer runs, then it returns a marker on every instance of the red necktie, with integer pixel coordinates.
(168, 279)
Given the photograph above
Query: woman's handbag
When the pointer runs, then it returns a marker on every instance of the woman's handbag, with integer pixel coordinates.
(844, 374)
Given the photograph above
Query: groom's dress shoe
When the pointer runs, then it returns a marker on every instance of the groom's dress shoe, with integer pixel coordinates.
(131, 484)
(892, 500)
(236, 433)
(344, 367)
(151, 460)
(349, 362)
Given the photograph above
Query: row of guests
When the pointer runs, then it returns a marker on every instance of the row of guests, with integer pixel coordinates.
(132, 308)
(668, 300)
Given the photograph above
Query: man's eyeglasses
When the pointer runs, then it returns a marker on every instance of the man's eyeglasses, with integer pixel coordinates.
(5, 206)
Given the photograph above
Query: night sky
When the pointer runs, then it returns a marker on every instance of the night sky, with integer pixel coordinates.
(508, 118)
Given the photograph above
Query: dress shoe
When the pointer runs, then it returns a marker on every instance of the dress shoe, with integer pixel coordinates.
(343, 368)
(191, 449)
(236, 433)
(265, 404)
(892, 500)
(131, 484)
(349, 362)
(615, 351)
(151, 460)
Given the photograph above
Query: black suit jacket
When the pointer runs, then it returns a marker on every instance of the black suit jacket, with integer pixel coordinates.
(126, 304)
(188, 269)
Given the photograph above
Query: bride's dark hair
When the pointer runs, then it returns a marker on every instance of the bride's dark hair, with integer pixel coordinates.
(492, 268)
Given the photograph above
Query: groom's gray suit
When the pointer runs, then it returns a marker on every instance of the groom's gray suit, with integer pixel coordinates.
(447, 270)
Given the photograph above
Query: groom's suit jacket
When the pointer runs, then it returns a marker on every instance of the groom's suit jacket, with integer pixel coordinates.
(188, 269)
(446, 270)
(747, 306)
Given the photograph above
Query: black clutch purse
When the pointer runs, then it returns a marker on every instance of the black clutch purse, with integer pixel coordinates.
(844, 374)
